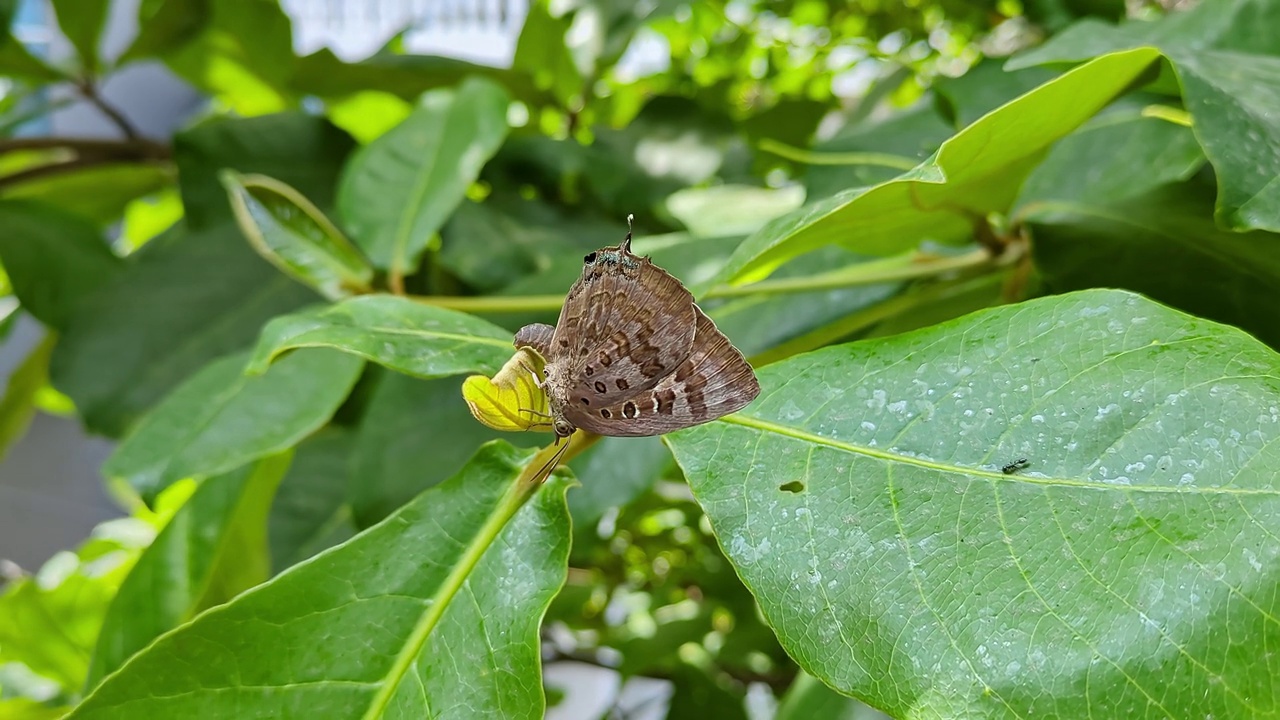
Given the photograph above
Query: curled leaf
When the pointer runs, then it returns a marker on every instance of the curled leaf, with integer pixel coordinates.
(511, 400)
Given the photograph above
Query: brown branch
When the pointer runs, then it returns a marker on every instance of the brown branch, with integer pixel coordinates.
(89, 92)
(137, 149)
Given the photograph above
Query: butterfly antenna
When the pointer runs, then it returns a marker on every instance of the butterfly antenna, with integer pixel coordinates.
(626, 242)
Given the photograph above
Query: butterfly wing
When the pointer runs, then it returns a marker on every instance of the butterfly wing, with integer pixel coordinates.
(712, 382)
(625, 326)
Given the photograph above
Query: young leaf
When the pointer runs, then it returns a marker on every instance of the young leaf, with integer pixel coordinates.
(404, 335)
(99, 193)
(220, 418)
(976, 172)
(872, 502)
(398, 190)
(182, 299)
(433, 612)
(292, 234)
(211, 550)
(53, 258)
(510, 401)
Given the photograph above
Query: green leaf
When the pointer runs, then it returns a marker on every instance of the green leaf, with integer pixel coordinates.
(861, 498)
(51, 619)
(182, 299)
(299, 150)
(54, 259)
(1225, 276)
(18, 403)
(1118, 155)
(214, 548)
(221, 418)
(24, 709)
(82, 21)
(404, 335)
(976, 172)
(398, 190)
(413, 435)
(541, 53)
(292, 234)
(310, 512)
(1227, 70)
(985, 87)
(100, 192)
(436, 613)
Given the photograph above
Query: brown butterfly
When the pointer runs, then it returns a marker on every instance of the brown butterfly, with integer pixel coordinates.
(633, 355)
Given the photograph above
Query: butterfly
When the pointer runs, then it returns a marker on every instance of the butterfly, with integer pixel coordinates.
(633, 355)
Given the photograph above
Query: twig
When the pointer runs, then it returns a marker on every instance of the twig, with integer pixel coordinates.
(135, 149)
(90, 92)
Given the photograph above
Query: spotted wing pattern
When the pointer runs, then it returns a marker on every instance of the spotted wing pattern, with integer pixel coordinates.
(713, 381)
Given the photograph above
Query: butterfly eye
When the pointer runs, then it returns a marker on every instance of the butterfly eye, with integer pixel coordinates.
(563, 428)
(589, 258)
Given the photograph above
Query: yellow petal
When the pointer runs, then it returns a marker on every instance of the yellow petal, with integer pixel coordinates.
(511, 400)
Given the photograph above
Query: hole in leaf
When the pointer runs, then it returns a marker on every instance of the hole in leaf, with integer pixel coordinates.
(795, 486)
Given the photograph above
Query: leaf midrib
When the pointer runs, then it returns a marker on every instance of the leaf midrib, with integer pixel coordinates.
(990, 475)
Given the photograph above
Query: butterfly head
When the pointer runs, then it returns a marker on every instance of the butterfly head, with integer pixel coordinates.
(563, 428)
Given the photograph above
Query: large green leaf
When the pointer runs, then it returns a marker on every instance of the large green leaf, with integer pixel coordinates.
(214, 548)
(406, 76)
(82, 21)
(414, 434)
(164, 26)
(295, 236)
(976, 172)
(221, 418)
(407, 336)
(1165, 245)
(1229, 72)
(182, 299)
(433, 612)
(302, 151)
(398, 190)
(53, 258)
(1129, 570)
(310, 512)
(15, 60)
(541, 54)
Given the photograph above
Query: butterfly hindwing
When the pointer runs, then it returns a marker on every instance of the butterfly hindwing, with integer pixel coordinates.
(713, 381)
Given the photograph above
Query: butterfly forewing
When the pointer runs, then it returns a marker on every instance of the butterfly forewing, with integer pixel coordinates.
(625, 326)
(713, 381)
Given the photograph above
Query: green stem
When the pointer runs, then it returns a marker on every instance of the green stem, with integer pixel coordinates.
(867, 317)
(902, 267)
(808, 157)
